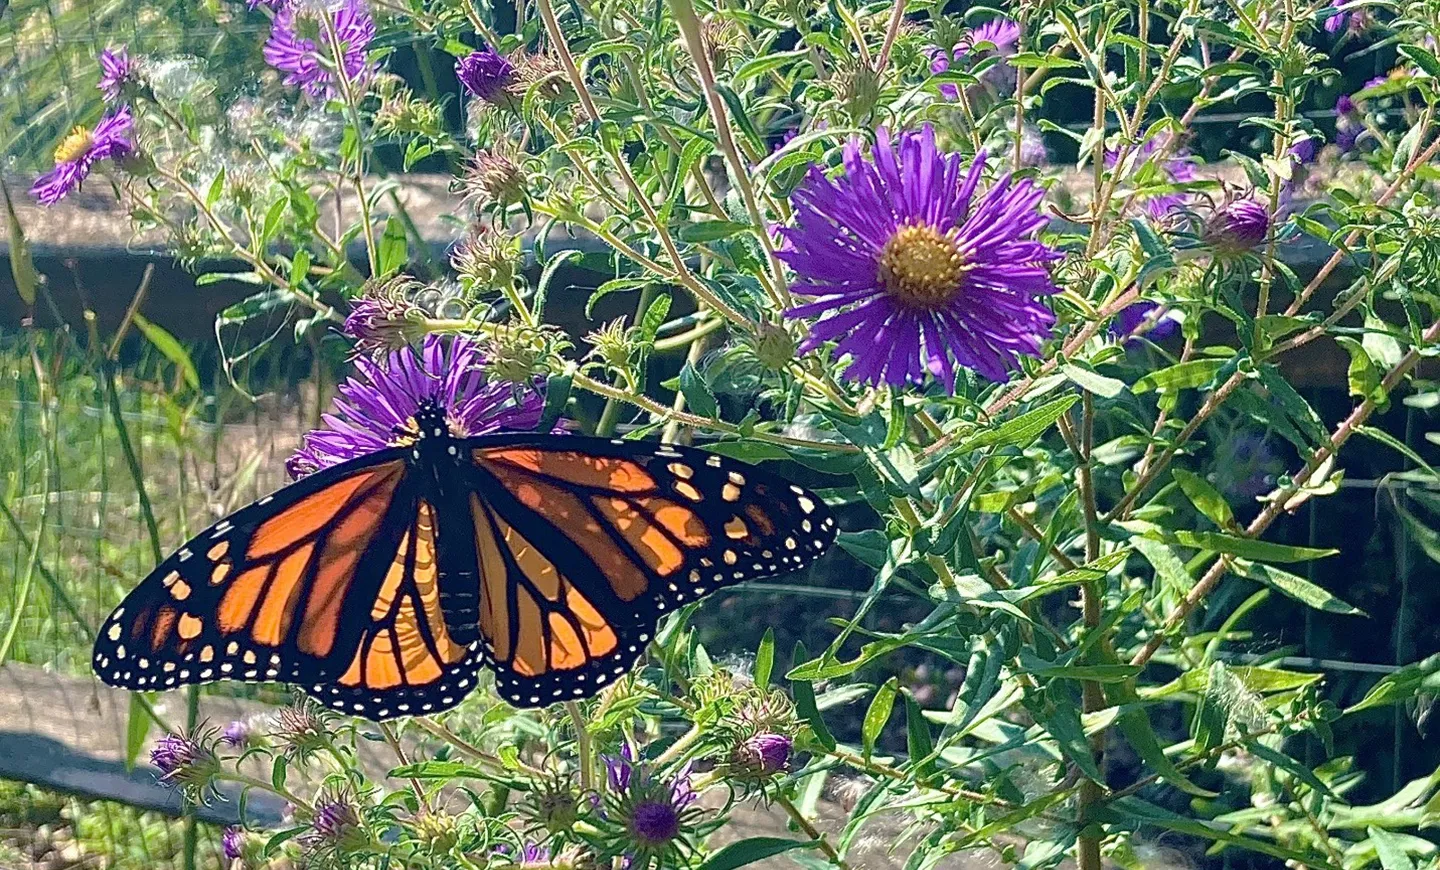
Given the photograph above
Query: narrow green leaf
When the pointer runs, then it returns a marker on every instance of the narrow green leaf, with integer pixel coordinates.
(745, 852)
(1398, 446)
(1210, 721)
(919, 745)
(878, 714)
(654, 316)
(1390, 847)
(1206, 498)
(711, 231)
(1402, 685)
(172, 349)
(1093, 673)
(1181, 376)
(697, 393)
(393, 249)
(547, 277)
(804, 694)
(1296, 587)
(22, 263)
(1247, 548)
(765, 658)
(137, 727)
(1135, 725)
(1093, 381)
(1290, 766)
(1020, 431)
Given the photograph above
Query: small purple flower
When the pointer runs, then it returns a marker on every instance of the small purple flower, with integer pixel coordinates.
(652, 812)
(1376, 82)
(1002, 33)
(939, 63)
(1246, 465)
(1132, 317)
(618, 768)
(1336, 22)
(1344, 105)
(172, 752)
(336, 821)
(1238, 226)
(1303, 152)
(1032, 148)
(184, 761)
(376, 410)
(914, 270)
(78, 153)
(232, 843)
(486, 74)
(117, 71)
(237, 734)
(762, 754)
(309, 68)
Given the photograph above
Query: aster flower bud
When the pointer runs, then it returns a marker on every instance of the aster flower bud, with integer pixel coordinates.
(761, 755)
(857, 87)
(385, 317)
(1237, 226)
(302, 727)
(487, 259)
(402, 114)
(610, 344)
(553, 806)
(487, 74)
(186, 762)
(438, 831)
(232, 842)
(495, 176)
(335, 823)
(238, 845)
(774, 347)
(540, 71)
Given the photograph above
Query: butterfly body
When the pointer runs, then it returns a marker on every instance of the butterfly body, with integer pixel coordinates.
(384, 584)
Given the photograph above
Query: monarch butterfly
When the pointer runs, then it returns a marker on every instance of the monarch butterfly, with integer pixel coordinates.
(383, 584)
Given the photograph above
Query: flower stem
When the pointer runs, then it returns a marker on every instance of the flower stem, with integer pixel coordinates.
(582, 744)
(804, 825)
(352, 105)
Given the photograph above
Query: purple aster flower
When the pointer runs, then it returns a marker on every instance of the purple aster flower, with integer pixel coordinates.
(486, 74)
(914, 269)
(618, 768)
(336, 822)
(303, 62)
(232, 843)
(375, 410)
(649, 815)
(117, 71)
(939, 63)
(1002, 33)
(1132, 317)
(1303, 152)
(237, 734)
(1238, 226)
(1344, 105)
(78, 153)
(1032, 148)
(185, 761)
(762, 754)
(1335, 22)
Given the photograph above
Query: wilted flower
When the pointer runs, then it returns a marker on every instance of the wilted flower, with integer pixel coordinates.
(385, 317)
(78, 153)
(302, 726)
(915, 269)
(1032, 148)
(486, 74)
(487, 259)
(117, 72)
(376, 409)
(309, 68)
(185, 761)
(541, 71)
(1237, 226)
(553, 805)
(495, 176)
(401, 113)
(1133, 317)
(531, 856)
(857, 87)
(238, 734)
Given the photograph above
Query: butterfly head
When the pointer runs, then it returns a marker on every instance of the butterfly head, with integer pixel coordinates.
(426, 429)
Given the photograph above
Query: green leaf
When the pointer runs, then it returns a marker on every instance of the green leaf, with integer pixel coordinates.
(1181, 376)
(1296, 587)
(137, 727)
(1062, 721)
(1135, 725)
(1404, 684)
(542, 287)
(393, 249)
(557, 396)
(1210, 721)
(804, 694)
(1092, 673)
(22, 264)
(173, 350)
(1390, 847)
(697, 393)
(654, 316)
(711, 231)
(1020, 431)
(617, 285)
(1398, 446)
(1095, 382)
(765, 658)
(919, 745)
(878, 714)
(1290, 766)
(1363, 376)
(870, 546)
(745, 852)
(1246, 548)
(1428, 62)
(1206, 498)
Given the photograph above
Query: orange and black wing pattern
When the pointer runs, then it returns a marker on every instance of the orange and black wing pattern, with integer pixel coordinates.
(332, 583)
(584, 543)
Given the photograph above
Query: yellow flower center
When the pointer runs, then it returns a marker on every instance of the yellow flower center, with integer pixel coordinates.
(921, 267)
(74, 146)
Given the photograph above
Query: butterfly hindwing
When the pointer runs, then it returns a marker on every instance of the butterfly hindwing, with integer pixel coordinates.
(601, 538)
(329, 583)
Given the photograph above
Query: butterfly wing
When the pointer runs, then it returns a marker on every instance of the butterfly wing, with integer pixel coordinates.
(583, 543)
(332, 583)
